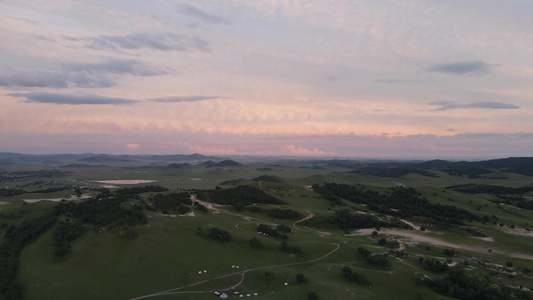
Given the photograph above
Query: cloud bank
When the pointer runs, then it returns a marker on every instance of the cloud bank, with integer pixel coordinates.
(84, 75)
(449, 105)
(155, 41)
(194, 98)
(71, 99)
(194, 12)
(462, 67)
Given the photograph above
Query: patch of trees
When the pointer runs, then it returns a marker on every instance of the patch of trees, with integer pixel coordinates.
(233, 182)
(15, 239)
(377, 260)
(398, 201)
(279, 213)
(200, 206)
(174, 202)
(218, 235)
(64, 235)
(106, 212)
(285, 247)
(434, 265)
(393, 244)
(283, 228)
(473, 188)
(353, 276)
(256, 243)
(132, 191)
(518, 165)
(268, 178)
(507, 195)
(398, 253)
(393, 172)
(300, 278)
(227, 163)
(239, 196)
(10, 192)
(263, 228)
(16, 175)
(449, 252)
(347, 220)
(458, 285)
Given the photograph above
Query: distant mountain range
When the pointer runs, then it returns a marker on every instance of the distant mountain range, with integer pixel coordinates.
(382, 168)
(89, 158)
(519, 165)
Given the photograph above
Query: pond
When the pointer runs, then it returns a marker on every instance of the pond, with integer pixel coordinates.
(128, 181)
(72, 197)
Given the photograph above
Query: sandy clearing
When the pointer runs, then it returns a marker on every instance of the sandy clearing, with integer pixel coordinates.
(486, 239)
(436, 242)
(518, 231)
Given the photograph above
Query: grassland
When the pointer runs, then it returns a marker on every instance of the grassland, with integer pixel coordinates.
(171, 250)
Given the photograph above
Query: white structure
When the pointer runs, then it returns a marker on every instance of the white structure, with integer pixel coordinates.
(223, 296)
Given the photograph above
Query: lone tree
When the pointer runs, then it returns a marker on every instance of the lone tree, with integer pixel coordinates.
(256, 243)
(300, 278)
(312, 296)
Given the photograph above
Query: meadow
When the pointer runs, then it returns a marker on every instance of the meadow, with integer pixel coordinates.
(171, 256)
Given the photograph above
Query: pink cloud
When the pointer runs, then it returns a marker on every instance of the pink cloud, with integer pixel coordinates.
(293, 150)
(132, 145)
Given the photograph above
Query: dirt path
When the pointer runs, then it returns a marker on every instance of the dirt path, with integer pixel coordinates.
(242, 274)
(311, 215)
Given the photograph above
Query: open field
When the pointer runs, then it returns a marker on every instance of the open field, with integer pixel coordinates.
(171, 256)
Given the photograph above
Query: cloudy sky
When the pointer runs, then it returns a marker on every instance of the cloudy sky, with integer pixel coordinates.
(381, 79)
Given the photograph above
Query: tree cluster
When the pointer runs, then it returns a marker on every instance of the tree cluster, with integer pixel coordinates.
(64, 235)
(107, 213)
(256, 243)
(218, 235)
(458, 285)
(283, 228)
(347, 220)
(397, 201)
(377, 260)
(353, 276)
(393, 244)
(200, 206)
(263, 228)
(136, 190)
(291, 249)
(172, 203)
(434, 265)
(239, 196)
(279, 213)
(15, 239)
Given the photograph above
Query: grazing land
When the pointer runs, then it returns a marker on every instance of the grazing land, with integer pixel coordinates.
(189, 227)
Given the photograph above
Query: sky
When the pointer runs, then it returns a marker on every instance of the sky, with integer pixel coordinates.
(399, 79)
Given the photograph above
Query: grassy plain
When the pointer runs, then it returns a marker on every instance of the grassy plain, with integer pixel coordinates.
(170, 251)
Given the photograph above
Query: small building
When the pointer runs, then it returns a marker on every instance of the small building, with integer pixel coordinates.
(223, 296)
(217, 293)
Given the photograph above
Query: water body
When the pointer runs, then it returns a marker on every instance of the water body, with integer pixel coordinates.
(129, 181)
(72, 197)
